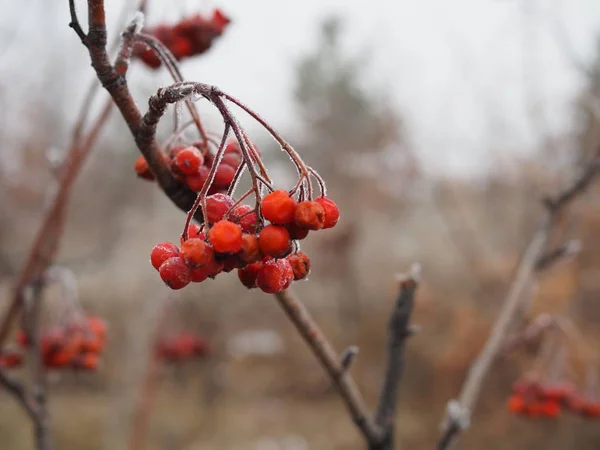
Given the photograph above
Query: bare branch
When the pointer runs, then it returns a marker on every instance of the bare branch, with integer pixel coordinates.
(18, 392)
(330, 360)
(558, 254)
(41, 420)
(347, 357)
(75, 23)
(398, 331)
(458, 416)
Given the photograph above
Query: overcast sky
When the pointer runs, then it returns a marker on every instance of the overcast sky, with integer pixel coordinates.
(469, 75)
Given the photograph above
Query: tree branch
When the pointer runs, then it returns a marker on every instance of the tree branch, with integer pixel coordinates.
(459, 411)
(329, 359)
(398, 331)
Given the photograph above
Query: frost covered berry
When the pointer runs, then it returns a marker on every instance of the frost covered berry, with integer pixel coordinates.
(175, 273)
(274, 240)
(142, 169)
(216, 207)
(309, 215)
(250, 252)
(332, 212)
(246, 217)
(300, 264)
(161, 252)
(196, 253)
(248, 274)
(188, 160)
(226, 237)
(278, 207)
(274, 276)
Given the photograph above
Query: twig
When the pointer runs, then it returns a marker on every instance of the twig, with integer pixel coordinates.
(398, 331)
(116, 85)
(459, 411)
(18, 392)
(41, 421)
(48, 236)
(75, 23)
(330, 360)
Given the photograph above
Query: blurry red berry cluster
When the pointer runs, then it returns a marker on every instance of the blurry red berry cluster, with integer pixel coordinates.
(534, 399)
(236, 239)
(182, 346)
(192, 165)
(76, 345)
(191, 36)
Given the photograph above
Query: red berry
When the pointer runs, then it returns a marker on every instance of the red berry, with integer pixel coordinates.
(195, 231)
(296, 233)
(231, 262)
(226, 237)
(224, 176)
(274, 276)
(196, 253)
(232, 159)
(248, 274)
(196, 181)
(550, 409)
(175, 273)
(278, 207)
(232, 147)
(274, 240)
(142, 169)
(216, 206)
(246, 217)
(300, 263)
(309, 215)
(161, 252)
(591, 409)
(516, 404)
(250, 252)
(332, 212)
(174, 151)
(97, 326)
(210, 270)
(22, 338)
(188, 160)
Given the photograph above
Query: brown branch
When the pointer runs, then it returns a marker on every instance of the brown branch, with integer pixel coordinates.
(43, 437)
(75, 23)
(18, 392)
(398, 331)
(116, 85)
(47, 239)
(378, 429)
(331, 361)
(459, 411)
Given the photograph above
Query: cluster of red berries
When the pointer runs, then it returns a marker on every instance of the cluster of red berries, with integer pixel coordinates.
(236, 239)
(75, 346)
(192, 165)
(534, 399)
(189, 37)
(181, 347)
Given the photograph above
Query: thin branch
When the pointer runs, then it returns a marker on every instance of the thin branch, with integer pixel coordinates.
(331, 361)
(398, 331)
(18, 392)
(459, 411)
(558, 254)
(41, 420)
(75, 23)
(46, 242)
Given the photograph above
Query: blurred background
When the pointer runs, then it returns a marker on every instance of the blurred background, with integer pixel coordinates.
(438, 127)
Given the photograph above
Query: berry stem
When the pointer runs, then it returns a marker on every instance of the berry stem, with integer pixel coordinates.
(172, 66)
(201, 197)
(296, 159)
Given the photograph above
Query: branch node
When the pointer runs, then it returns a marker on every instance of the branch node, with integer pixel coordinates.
(347, 358)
